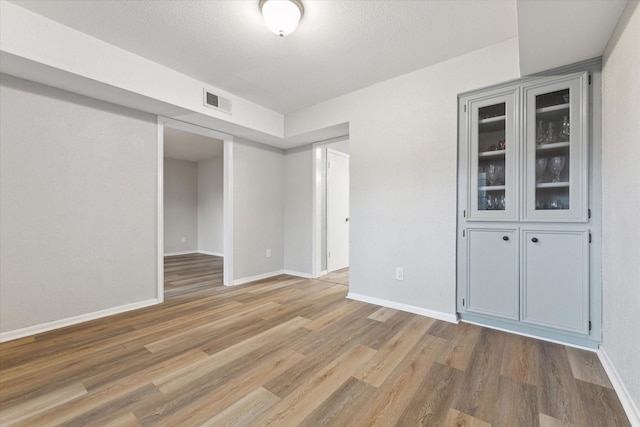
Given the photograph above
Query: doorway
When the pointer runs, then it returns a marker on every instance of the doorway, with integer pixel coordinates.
(331, 221)
(196, 217)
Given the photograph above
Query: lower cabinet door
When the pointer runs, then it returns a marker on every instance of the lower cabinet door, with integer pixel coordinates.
(492, 273)
(555, 280)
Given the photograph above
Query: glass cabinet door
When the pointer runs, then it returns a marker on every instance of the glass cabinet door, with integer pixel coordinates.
(492, 157)
(555, 144)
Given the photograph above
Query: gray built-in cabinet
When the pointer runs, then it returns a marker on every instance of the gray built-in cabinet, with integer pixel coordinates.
(529, 206)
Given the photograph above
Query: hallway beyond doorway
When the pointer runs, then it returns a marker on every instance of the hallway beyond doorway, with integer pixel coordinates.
(190, 273)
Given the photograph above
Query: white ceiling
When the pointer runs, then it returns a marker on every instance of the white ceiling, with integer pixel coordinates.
(554, 33)
(189, 146)
(339, 46)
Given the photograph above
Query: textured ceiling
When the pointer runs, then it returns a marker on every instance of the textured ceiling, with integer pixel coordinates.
(189, 146)
(339, 47)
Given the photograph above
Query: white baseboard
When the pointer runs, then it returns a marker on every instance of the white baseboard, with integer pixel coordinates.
(180, 253)
(628, 404)
(298, 274)
(452, 318)
(244, 280)
(210, 253)
(56, 324)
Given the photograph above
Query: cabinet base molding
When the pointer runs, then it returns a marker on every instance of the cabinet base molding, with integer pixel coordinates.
(630, 408)
(451, 318)
(531, 332)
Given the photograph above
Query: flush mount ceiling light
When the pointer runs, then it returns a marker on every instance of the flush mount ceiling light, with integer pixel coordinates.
(281, 16)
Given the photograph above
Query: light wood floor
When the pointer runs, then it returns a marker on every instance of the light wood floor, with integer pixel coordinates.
(288, 352)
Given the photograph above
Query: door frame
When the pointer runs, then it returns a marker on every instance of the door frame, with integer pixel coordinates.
(316, 212)
(227, 197)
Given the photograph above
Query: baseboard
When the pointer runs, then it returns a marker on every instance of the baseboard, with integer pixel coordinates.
(628, 404)
(590, 346)
(180, 253)
(452, 318)
(210, 253)
(56, 324)
(298, 274)
(257, 277)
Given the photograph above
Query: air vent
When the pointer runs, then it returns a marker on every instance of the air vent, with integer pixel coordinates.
(212, 100)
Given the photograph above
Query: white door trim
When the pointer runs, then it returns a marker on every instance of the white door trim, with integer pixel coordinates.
(316, 214)
(227, 196)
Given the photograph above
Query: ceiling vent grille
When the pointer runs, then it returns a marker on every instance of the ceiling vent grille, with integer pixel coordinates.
(214, 101)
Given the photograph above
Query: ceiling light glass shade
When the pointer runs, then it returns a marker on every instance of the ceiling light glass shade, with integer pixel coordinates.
(281, 16)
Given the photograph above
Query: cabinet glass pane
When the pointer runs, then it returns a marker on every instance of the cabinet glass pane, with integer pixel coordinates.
(491, 157)
(553, 141)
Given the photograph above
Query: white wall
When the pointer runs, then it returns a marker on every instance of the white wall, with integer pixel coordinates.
(621, 200)
(180, 206)
(298, 208)
(258, 209)
(211, 206)
(77, 205)
(403, 175)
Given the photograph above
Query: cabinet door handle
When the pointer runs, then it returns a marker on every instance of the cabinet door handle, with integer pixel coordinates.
(534, 239)
(505, 238)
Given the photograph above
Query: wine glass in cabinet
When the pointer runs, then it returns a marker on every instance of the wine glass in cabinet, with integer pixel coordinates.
(493, 152)
(555, 136)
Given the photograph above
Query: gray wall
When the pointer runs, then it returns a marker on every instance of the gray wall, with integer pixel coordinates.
(403, 175)
(298, 205)
(180, 206)
(77, 205)
(621, 200)
(258, 210)
(211, 206)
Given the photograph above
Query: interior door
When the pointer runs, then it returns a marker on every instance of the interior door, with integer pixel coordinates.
(337, 210)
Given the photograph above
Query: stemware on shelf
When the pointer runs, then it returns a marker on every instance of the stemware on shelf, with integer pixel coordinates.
(540, 133)
(500, 172)
(551, 133)
(564, 130)
(492, 174)
(556, 164)
(541, 166)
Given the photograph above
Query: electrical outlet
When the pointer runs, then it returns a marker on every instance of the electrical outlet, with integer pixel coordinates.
(184, 239)
(268, 253)
(399, 273)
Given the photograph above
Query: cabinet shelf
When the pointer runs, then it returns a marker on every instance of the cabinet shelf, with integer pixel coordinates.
(492, 120)
(493, 188)
(494, 153)
(552, 185)
(552, 108)
(552, 146)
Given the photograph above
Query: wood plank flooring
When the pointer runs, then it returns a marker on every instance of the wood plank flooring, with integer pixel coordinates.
(286, 352)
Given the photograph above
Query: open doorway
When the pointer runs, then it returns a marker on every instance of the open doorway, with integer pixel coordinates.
(195, 234)
(331, 219)
(193, 211)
